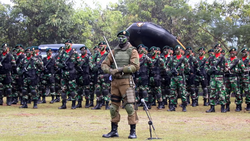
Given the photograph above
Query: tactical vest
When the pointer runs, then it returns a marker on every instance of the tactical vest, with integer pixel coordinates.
(50, 66)
(122, 57)
(6, 64)
(85, 66)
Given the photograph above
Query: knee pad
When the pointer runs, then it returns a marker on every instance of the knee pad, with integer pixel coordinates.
(113, 110)
(33, 92)
(73, 94)
(130, 109)
(98, 92)
(105, 92)
(86, 92)
(52, 89)
(8, 91)
(24, 92)
(144, 94)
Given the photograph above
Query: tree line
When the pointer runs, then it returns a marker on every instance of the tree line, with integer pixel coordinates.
(35, 22)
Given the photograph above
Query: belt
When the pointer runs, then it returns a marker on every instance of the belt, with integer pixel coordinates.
(125, 76)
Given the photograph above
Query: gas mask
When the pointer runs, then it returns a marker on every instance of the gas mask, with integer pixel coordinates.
(177, 52)
(122, 39)
(165, 52)
(49, 53)
(217, 50)
(83, 52)
(201, 53)
(67, 46)
(28, 54)
(4, 49)
(140, 51)
(244, 54)
(232, 54)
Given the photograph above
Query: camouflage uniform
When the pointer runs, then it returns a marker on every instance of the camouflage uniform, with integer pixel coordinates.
(201, 77)
(190, 77)
(166, 78)
(16, 79)
(28, 68)
(178, 79)
(157, 65)
(7, 61)
(103, 83)
(141, 76)
(216, 66)
(47, 76)
(232, 80)
(83, 79)
(68, 60)
(244, 77)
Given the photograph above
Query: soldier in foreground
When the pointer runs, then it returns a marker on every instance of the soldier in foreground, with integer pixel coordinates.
(122, 85)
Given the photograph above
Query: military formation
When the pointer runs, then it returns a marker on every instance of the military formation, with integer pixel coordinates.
(164, 75)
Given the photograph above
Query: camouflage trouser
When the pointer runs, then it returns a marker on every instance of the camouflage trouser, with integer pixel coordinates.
(57, 84)
(204, 84)
(141, 88)
(232, 86)
(177, 85)
(155, 88)
(68, 86)
(16, 86)
(190, 83)
(244, 86)
(93, 82)
(83, 85)
(30, 87)
(5, 85)
(48, 80)
(217, 88)
(165, 86)
(102, 87)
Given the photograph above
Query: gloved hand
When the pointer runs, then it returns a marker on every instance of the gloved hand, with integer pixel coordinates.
(199, 73)
(114, 72)
(213, 69)
(174, 72)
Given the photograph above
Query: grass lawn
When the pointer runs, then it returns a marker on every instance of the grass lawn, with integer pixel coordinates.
(47, 123)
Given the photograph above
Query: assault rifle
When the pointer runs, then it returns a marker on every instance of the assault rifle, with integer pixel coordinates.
(174, 70)
(234, 65)
(214, 68)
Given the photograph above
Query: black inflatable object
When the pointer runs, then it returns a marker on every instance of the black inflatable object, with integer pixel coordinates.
(150, 34)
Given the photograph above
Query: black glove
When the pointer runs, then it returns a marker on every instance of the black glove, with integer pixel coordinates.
(199, 73)
(174, 72)
(213, 69)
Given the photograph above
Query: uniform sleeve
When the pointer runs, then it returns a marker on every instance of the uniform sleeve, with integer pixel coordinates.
(134, 63)
(107, 63)
(13, 61)
(241, 66)
(186, 66)
(91, 62)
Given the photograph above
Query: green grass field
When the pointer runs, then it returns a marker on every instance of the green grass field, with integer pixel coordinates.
(51, 124)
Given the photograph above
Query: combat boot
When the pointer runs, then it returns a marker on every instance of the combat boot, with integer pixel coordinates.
(113, 132)
(21, 100)
(87, 103)
(57, 98)
(193, 103)
(69, 98)
(154, 103)
(205, 102)
(91, 104)
(188, 99)
(1, 101)
(132, 134)
(223, 110)
(97, 106)
(79, 104)
(24, 104)
(63, 105)
(102, 103)
(73, 106)
(184, 107)
(38, 102)
(228, 107)
(238, 108)
(44, 99)
(171, 107)
(15, 100)
(149, 105)
(52, 99)
(248, 107)
(35, 104)
(107, 105)
(9, 101)
(196, 102)
(211, 109)
(160, 106)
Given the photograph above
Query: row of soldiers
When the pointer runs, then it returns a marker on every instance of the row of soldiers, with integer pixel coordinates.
(26, 76)
(162, 76)
(166, 76)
